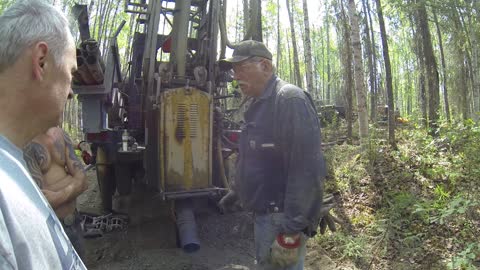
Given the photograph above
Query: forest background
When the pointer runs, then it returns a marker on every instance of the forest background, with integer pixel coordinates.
(405, 179)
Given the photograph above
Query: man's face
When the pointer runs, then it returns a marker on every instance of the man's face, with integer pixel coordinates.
(56, 87)
(250, 77)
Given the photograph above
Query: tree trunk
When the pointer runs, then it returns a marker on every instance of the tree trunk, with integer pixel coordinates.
(444, 68)
(348, 71)
(131, 31)
(111, 29)
(370, 50)
(388, 77)
(254, 22)
(256, 19)
(327, 30)
(359, 73)
(418, 48)
(95, 15)
(223, 18)
(469, 52)
(307, 49)
(290, 73)
(237, 26)
(316, 80)
(298, 77)
(431, 68)
(461, 55)
(246, 18)
(279, 42)
(103, 10)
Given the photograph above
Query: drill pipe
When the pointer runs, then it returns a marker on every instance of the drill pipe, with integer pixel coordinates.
(91, 47)
(95, 69)
(83, 72)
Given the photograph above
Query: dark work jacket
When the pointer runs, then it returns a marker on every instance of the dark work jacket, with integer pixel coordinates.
(280, 160)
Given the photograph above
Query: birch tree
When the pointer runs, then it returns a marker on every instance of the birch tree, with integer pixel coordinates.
(296, 63)
(308, 48)
(444, 67)
(359, 73)
(388, 77)
(430, 65)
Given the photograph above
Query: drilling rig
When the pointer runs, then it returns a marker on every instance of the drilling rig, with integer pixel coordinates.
(159, 124)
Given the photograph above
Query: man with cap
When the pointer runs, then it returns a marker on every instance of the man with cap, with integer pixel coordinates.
(280, 167)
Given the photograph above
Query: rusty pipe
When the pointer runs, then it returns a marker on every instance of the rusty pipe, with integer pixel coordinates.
(92, 48)
(83, 71)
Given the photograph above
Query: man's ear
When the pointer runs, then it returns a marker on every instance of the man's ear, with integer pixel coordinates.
(39, 59)
(267, 65)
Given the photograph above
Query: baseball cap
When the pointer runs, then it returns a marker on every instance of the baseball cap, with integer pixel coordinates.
(244, 50)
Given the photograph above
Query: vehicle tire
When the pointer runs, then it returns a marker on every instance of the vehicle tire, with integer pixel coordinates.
(124, 174)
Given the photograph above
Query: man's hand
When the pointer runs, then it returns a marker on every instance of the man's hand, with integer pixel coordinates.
(285, 250)
(327, 220)
(228, 201)
(55, 198)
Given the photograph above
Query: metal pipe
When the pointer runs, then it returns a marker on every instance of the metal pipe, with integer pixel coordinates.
(136, 12)
(95, 68)
(180, 35)
(83, 72)
(221, 164)
(119, 28)
(93, 49)
(127, 3)
(187, 228)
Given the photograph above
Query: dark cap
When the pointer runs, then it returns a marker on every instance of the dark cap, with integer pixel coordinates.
(244, 50)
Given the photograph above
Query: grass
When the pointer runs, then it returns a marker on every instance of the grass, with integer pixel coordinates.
(414, 208)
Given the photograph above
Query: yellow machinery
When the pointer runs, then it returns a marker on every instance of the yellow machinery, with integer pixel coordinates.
(185, 141)
(155, 125)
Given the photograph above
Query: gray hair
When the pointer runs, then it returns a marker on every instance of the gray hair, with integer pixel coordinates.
(30, 21)
(258, 59)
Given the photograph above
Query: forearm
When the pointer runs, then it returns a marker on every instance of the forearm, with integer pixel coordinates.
(302, 204)
(77, 185)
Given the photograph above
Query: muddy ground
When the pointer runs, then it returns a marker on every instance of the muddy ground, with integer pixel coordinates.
(149, 241)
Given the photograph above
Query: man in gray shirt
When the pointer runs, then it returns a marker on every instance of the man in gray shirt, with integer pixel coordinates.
(37, 57)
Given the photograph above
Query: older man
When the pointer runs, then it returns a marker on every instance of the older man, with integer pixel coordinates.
(280, 169)
(37, 57)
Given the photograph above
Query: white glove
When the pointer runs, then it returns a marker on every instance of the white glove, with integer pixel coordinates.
(285, 250)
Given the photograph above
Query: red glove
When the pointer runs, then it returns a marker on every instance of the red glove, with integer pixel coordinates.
(86, 152)
(285, 250)
(289, 241)
(87, 158)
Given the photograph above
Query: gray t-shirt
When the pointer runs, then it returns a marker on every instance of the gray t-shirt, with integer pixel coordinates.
(31, 236)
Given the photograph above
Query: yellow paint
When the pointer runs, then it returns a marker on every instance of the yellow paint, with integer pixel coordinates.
(184, 135)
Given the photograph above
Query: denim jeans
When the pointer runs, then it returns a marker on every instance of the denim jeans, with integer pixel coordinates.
(75, 235)
(266, 229)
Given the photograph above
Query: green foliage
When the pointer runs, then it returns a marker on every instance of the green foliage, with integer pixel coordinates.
(442, 209)
(465, 260)
(346, 167)
(419, 204)
(344, 246)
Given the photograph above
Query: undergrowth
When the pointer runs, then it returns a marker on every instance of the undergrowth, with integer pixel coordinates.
(414, 208)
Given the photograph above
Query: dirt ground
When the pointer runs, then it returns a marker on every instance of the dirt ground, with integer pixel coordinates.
(149, 241)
